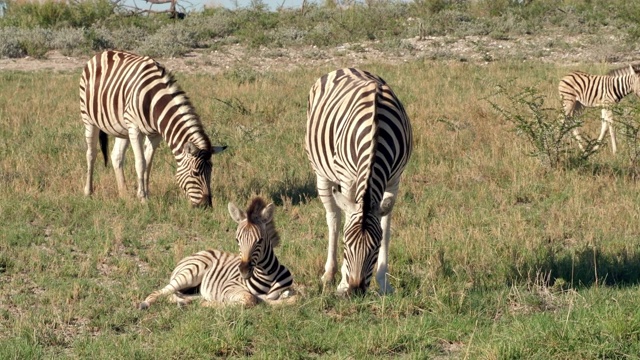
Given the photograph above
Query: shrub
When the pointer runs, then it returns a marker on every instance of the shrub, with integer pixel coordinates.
(540, 126)
(56, 14)
(170, 41)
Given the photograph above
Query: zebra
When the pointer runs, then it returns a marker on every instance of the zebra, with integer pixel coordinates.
(358, 141)
(223, 278)
(136, 100)
(579, 90)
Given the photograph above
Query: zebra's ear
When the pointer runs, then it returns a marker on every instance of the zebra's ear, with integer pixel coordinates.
(236, 213)
(217, 149)
(344, 202)
(267, 213)
(190, 148)
(386, 206)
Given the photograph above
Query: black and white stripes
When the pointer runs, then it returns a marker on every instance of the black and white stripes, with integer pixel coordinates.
(579, 90)
(223, 278)
(134, 99)
(358, 141)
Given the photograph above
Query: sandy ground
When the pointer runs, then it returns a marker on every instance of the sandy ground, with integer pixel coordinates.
(557, 49)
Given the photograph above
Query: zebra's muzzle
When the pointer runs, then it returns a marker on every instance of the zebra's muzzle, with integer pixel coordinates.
(246, 270)
(204, 202)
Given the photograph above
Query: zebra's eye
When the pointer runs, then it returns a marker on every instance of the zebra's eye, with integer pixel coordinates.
(194, 173)
(260, 240)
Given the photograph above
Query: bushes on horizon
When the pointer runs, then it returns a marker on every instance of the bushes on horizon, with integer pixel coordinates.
(55, 14)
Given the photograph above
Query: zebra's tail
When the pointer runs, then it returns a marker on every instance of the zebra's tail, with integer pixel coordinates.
(104, 145)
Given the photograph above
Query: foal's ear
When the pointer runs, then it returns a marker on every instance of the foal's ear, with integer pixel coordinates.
(238, 215)
(267, 213)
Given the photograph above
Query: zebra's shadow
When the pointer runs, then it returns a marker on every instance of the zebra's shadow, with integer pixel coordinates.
(587, 266)
(294, 193)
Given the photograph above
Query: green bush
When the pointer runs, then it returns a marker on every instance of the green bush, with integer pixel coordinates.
(170, 41)
(539, 125)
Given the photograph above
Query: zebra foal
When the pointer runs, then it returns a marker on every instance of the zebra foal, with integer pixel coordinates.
(136, 100)
(358, 141)
(223, 278)
(579, 90)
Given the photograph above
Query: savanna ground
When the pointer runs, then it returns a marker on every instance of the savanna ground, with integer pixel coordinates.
(493, 255)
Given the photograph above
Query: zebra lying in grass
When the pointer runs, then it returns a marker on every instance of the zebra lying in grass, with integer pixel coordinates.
(223, 278)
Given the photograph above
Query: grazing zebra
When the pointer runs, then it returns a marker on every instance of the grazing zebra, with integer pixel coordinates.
(136, 100)
(223, 278)
(579, 90)
(358, 141)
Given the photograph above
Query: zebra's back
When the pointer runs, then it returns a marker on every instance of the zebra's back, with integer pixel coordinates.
(353, 114)
(106, 87)
(595, 90)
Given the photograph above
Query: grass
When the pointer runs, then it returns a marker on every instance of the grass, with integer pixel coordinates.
(493, 256)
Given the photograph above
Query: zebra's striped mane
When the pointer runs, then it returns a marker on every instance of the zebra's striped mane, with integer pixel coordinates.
(364, 192)
(187, 111)
(254, 214)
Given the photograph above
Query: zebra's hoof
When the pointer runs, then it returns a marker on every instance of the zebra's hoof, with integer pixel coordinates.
(143, 305)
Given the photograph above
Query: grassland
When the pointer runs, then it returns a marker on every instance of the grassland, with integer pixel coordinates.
(493, 256)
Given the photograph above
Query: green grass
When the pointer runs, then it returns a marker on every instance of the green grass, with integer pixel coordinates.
(493, 256)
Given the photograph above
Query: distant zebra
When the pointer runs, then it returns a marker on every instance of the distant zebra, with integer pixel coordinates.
(136, 100)
(579, 90)
(223, 278)
(358, 141)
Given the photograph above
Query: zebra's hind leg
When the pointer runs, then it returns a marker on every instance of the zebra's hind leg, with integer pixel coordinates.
(169, 289)
(137, 141)
(91, 136)
(120, 146)
(150, 145)
(182, 300)
(607, 125)
(172, 288)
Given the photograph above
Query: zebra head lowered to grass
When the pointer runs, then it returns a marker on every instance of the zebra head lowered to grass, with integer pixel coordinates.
(223, 278)
(358, 141)
(579, 90)
(136, 100)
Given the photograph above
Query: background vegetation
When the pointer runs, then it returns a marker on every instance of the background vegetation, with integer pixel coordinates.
(83, 27)
(507, 243)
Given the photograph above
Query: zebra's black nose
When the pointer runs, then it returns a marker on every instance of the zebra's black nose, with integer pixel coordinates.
(204, 202)
(245, 270)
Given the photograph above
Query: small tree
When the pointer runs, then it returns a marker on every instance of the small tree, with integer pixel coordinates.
(545, 128)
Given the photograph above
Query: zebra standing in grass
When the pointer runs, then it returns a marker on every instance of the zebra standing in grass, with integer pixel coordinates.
(358, 141)
(136, 100)
(579, 90)
(223, 278)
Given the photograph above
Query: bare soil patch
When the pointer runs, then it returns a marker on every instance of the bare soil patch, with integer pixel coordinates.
(477, 49)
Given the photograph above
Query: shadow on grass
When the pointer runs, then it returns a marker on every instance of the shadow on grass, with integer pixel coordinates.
(295, 193)
(614, 170)
(585, 267)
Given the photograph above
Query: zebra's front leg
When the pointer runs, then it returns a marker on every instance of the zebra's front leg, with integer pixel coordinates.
(386, 208)
(137, 139)
(91, 136)
(333, 216)
(150, 144)
(242, 297)
(120, 146)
